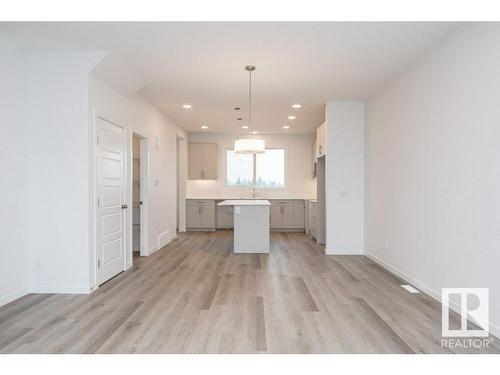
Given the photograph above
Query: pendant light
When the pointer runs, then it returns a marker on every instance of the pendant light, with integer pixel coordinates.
(249, 145)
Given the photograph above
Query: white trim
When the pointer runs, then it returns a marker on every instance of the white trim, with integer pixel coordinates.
(344, 252)
(145, 175)
(164, 239)
(494, 330)
(61, 289)
(153, 249)
(156, 248)
(144, 195)
(14, 295)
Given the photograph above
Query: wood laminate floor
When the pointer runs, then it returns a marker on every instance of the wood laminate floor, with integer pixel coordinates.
(195, 296)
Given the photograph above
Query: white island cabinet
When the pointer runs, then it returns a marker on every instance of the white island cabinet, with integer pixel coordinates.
(251, 225)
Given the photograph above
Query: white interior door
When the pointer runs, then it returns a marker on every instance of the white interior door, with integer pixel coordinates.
(110, 200)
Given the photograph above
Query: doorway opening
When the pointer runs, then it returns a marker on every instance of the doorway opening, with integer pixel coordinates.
(139, 195)
(180, 171)
(321, 196)
(177, 179)
(136, 195)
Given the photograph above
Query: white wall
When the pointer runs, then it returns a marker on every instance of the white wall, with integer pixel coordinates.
(299, 182)
(345, 125)
(46, 154)
(14, 175)
(56, 110)
(139, 116)
(433, 157)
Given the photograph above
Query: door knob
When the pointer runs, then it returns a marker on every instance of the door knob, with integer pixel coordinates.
(124, 206)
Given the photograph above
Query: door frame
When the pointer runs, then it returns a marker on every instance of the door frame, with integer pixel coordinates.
(181, 176)
(126, 178)
(144, 193)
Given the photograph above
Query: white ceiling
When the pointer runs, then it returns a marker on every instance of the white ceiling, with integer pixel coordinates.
(203, 64)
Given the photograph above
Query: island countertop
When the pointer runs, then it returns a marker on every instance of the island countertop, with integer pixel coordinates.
(245, 202)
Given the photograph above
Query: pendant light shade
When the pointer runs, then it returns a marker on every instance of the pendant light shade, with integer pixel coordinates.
(249, 146)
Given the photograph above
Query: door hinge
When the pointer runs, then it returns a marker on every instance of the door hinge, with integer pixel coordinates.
(98, 202)
(98, 263)
(97, 139)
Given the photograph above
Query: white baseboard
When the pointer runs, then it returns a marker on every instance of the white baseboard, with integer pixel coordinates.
(494, 330)
(14, 295)
(46, 289)
(152, 250)
(165, 238)
(61, 289)
(343, 252)
(164, 242)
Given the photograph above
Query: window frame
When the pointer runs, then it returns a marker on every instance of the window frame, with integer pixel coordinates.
(285, 169)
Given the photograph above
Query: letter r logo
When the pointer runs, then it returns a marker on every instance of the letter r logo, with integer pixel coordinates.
(473, 304)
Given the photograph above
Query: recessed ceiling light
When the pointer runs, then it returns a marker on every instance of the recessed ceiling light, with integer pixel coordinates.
(255, 132)
(286, 126)
(291, 117)
(186, 106)
(244, 127)
(297, 105)
(204, 127)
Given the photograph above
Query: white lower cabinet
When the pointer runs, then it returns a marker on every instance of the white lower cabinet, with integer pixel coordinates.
(200, 214)
(287, 215)
(225, 219)
(203, 214)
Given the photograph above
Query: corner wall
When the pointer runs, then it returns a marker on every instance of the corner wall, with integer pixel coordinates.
(432, 168)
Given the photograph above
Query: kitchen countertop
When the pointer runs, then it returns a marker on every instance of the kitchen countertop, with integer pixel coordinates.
(237, 198)
(245, 202)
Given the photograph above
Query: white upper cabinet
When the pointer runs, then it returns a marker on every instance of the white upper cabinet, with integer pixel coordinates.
(321, 140)
(203, 161)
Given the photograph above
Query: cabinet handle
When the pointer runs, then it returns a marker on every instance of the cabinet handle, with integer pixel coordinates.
(201, 210)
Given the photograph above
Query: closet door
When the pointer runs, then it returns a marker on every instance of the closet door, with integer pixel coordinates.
(110, 200)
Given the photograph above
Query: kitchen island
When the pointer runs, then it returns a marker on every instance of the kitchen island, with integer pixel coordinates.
(251, 225)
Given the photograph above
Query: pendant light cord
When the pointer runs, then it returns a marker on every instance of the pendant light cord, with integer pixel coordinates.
(250, 103)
